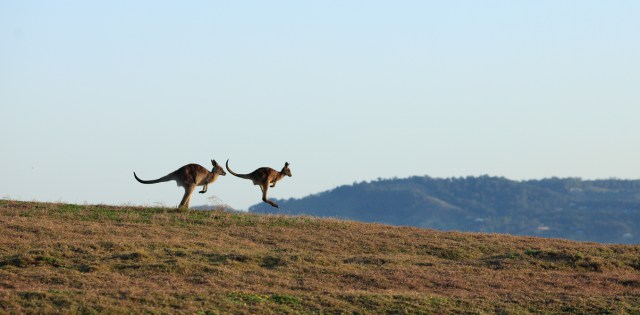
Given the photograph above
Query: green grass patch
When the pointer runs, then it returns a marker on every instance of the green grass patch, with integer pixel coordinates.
(285, 299)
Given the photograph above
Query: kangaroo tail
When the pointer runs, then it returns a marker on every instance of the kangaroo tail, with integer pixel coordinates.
(155, 181)
(236, 174)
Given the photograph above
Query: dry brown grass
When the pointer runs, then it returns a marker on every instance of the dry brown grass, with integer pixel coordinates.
(96, 259)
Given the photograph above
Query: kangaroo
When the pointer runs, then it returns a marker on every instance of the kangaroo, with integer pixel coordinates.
(189, 176)
(265, 177)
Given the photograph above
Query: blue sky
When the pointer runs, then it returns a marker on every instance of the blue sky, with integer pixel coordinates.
(343, 90)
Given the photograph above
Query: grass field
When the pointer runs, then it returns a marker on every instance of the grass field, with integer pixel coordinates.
(105, 259)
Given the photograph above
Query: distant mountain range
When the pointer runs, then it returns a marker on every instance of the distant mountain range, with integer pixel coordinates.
(605, 211)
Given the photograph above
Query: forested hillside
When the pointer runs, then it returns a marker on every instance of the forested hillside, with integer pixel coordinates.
(605, 211)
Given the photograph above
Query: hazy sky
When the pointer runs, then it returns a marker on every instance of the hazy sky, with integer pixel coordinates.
(345, 91)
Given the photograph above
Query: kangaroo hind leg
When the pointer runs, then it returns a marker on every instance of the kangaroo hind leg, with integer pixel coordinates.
(187, 197)
(265, 188)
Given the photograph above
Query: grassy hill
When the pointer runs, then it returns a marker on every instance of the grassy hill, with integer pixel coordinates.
(105, 259)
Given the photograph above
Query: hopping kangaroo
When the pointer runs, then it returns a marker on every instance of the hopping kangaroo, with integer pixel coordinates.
(189, 176)
(265, 177)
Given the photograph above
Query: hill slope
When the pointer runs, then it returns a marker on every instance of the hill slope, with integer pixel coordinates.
(606, 211)
(71, 258)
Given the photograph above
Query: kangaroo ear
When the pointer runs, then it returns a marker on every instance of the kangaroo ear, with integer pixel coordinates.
(286, 164)
(214, 162)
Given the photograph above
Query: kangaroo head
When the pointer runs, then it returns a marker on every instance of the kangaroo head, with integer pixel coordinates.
(217, 169)
(286, 170)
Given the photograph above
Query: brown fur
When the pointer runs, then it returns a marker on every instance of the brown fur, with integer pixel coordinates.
(189, 177)
(264, 177)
